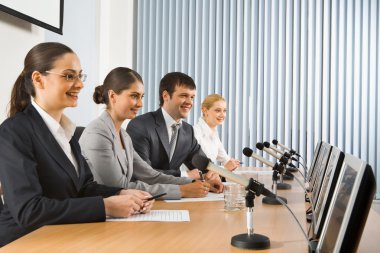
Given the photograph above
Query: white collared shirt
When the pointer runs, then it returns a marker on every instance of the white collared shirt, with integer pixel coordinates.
(210, 142)
(169, 121)
(62, 131)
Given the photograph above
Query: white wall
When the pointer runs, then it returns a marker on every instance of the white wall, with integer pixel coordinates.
(100, 32)
(17, 38)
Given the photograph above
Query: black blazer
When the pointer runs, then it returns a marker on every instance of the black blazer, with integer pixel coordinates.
(150, 139)
(39, 182)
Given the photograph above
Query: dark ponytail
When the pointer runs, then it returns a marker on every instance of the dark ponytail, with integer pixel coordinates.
(98, 95)
(118, 79)
(40, 58)
(20, 98)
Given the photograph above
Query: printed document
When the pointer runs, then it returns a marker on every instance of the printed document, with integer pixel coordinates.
(158, 215)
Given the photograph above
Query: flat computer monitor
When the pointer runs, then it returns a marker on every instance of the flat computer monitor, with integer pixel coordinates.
(320, 165)
(349, 207)
(320, 173)
(315, 158)
(323, 199)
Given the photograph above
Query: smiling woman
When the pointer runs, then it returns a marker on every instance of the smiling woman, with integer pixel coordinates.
(214, 112)
(109, 149)
(44, 177)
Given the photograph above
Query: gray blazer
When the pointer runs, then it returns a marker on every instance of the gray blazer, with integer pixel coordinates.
(113, 166)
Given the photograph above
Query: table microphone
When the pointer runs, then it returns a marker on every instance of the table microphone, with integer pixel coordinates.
(258, 188)
(283, 160)
(247, 240)
(287, 155)
(277, 168)
(291, 151)
(284, 153)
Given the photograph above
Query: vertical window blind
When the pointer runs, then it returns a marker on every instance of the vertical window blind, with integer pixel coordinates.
(298, 71)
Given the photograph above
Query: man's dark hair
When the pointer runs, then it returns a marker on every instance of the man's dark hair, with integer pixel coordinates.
(173, 79)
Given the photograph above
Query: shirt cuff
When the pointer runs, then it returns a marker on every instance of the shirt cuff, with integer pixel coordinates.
(184, 171)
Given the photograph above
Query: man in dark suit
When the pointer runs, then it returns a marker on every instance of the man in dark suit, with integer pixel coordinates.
(154, 135)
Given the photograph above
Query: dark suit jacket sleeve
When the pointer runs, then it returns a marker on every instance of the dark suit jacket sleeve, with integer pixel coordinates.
(25, 198)
(176, 173)
(195, 149)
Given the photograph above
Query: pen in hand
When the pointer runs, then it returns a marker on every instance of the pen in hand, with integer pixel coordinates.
(143, 209)
(201, 176)
(156, 196)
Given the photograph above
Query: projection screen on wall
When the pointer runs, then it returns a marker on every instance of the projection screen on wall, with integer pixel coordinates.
(45, 13)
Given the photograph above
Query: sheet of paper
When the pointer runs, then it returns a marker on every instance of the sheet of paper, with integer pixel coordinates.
(158, 215)
(259, 172)
(210, 197)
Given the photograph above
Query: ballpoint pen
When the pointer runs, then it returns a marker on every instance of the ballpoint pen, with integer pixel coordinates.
(156, 196)
(201, 176)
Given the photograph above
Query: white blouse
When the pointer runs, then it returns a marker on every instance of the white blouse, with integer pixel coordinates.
(210, 142)
(62, 131)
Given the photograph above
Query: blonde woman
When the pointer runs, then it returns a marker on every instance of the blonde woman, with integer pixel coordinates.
(214, 111)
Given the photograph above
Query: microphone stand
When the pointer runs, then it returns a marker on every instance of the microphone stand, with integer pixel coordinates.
(273, 200)
(283, 186)
(288, 175)
(250, 240)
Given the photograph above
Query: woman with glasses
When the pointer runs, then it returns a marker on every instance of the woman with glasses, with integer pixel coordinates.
(214, 112)
(109, 150)
(44, 177)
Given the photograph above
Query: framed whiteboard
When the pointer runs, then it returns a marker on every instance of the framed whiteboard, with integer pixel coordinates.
(45, 13)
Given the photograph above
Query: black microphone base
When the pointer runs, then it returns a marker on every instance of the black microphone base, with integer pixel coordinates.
(313, 246)
(274, 201)
(255, 241)
(291, 169)
(309, 217)
(283, 186)
(288, 177)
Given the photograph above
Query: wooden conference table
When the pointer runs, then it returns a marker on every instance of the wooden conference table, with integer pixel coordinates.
(210, 230)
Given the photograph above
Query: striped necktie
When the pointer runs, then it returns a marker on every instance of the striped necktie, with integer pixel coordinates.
(173, 140)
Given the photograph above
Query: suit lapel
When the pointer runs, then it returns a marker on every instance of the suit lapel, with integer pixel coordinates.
(51, 145)
(129, 153)
(162, 131)
(125, 165)
(78, 156)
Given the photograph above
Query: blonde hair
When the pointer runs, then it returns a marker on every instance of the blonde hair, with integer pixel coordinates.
(209, 101)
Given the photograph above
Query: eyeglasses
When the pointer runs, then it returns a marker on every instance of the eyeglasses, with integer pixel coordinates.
(70, 77)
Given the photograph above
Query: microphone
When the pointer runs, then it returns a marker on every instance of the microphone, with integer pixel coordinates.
(267, 145)
(289, 156)
(286, 154)
(282, 159)
(247, 240)
(258, 188)
(249, 153)
(291, 151)
(277, 168)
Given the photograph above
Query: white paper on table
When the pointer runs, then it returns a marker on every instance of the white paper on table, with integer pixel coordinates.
(158, 215)
(258, 172)
(210, 197)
